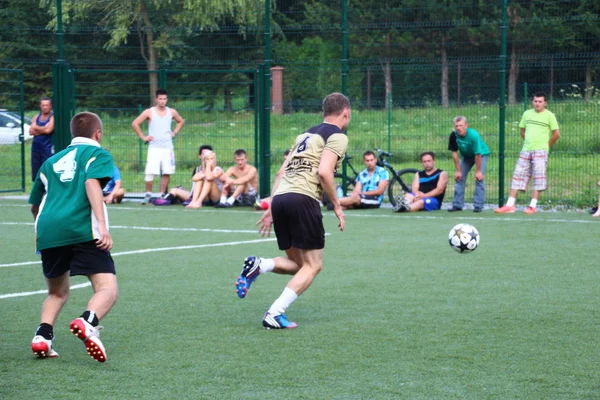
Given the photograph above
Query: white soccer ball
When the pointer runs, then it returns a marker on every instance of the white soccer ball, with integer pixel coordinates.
(463, 238)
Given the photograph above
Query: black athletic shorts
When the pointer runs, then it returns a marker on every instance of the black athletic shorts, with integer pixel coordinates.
(369, 201)
(80, 259)
(298, 222)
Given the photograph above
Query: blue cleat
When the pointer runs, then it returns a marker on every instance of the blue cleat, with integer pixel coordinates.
(277, 322)
(249, 273)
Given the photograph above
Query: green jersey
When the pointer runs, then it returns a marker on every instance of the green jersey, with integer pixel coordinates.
(470, 145)
(538, 127)
(65, 215)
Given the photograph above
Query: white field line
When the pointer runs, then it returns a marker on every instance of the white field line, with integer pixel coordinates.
(152, 228)
(142, 251)
(45, 291)
(350, 214)
(123, 253)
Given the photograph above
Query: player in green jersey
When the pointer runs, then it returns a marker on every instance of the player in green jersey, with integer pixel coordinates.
(71, 225)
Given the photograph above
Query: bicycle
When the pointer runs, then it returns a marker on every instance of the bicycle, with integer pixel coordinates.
(397, 185)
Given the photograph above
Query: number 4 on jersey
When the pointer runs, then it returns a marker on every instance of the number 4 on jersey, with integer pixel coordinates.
(66, 166)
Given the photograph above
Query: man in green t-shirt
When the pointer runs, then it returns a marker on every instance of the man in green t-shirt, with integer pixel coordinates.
(71, 225)
(475, 152)
(539, 130)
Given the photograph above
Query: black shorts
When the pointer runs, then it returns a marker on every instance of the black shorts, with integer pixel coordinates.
(298, 222)
(369, 201)
(80, 259)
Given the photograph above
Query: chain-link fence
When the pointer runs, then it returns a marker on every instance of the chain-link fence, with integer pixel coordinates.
(409, 67)
(14, 131)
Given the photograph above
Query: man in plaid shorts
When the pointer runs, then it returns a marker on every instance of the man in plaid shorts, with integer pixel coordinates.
(539, 130)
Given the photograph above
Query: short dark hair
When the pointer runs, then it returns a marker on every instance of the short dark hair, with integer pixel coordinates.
(46, 98)
(84, 124)
(427, 153)
(334, 104)
(286, 153)
(204, 147)
(540, 94)
(161, 91)
(239, 152)
(368, 153)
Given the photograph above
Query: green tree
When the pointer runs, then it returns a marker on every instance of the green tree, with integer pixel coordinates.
(160, 26)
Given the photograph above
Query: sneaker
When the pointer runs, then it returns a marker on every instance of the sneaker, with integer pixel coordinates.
(454, 209)
(530, 210)
(187, 202)
(277, 322)
(594, 210)
(223, 205)
(161, 202)
(506, 209)
(476, 209)
(402, 204)
(42, 347)
(147, 198)
(250, 271)
(89, 334)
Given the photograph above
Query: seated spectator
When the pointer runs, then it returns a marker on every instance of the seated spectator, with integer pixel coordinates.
(369, 186)
(428, 188)
(179, 194)
(240, 183)
(113, 191)
(207, 187)
(597, 213)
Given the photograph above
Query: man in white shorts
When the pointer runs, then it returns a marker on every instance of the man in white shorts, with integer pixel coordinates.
(161, 158)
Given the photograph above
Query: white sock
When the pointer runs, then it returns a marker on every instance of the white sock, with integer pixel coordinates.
(533, 203)
(231, 200)
(286, 298)
(266, 265)
(223, 199)
(511, 201)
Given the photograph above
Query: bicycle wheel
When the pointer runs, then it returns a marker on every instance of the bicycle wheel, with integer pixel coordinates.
(401, 183)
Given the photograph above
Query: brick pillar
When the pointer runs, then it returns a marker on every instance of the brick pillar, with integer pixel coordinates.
(277, 90)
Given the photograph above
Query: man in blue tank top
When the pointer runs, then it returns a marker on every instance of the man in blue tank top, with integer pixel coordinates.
(428, 188)
(42, 129)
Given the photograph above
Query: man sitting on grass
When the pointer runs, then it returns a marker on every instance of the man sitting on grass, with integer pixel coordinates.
(369, 186)
(428, 188)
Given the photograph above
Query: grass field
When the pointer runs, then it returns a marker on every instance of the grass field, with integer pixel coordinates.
(395, 314)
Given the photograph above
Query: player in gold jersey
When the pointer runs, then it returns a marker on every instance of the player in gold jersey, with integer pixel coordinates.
(295, 211)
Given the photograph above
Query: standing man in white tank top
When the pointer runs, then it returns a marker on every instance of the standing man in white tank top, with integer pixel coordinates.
(161, 158)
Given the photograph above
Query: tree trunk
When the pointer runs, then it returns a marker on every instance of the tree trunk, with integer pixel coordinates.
(588, 83)
(513, 76)
(444, 82)
(368, 88)
(151, 56)
(458, 83)
(387, 72)
(227, 98)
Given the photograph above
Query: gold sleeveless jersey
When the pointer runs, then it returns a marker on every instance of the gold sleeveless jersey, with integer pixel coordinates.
(302, 173)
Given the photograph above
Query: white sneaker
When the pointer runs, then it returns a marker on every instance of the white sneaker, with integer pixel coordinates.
(42, 347)
(90, 336)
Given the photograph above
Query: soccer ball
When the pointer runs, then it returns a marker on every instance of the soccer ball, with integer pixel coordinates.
(463, 238)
